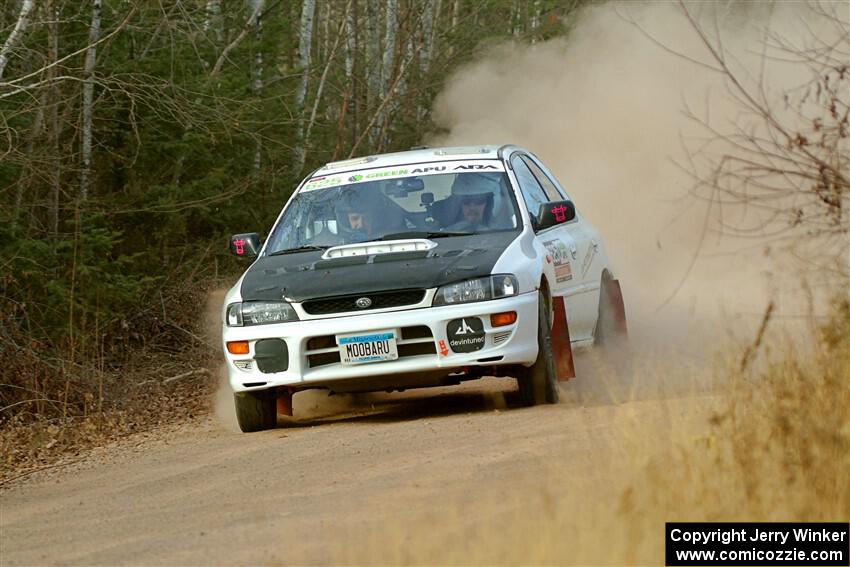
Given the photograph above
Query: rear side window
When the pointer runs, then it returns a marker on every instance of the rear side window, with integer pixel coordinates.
(548, 187)
(532, 193)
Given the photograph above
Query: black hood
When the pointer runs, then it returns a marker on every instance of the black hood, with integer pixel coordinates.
(302, 276)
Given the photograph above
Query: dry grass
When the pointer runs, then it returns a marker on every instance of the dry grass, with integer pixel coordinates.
(50, 417)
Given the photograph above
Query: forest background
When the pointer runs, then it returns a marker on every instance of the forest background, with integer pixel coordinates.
(135, 136)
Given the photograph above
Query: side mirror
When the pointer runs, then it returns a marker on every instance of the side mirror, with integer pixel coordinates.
(554, 212)
(245, 245)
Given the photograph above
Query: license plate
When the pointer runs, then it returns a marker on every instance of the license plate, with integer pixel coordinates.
(376, 346)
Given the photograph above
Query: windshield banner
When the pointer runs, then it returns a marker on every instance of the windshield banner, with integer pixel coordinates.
(412, 170)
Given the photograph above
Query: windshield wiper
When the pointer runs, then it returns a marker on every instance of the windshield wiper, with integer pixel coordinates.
(306, 248)
(423, 234)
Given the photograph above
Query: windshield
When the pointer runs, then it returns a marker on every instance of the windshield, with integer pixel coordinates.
(425, 200)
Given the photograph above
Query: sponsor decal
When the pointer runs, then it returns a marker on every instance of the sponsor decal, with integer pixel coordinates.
(321, 182)
(365, 175)
(430, 169)
(561, 258)
(564, 273)
(240, 246)
(380, 174)
(560, 213)
(588, 259)
(444, 350)
(476, 167)
(466, 334)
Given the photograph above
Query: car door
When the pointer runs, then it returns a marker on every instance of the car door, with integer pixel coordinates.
(588, 265)
(562, 248)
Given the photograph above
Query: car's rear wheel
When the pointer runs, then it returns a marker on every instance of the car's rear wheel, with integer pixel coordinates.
(538, 384)
(255, 411)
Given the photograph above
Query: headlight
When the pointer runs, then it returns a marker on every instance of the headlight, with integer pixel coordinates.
(478, 289)
(259, 313)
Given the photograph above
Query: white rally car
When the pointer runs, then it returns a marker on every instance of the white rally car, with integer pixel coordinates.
(413, 269)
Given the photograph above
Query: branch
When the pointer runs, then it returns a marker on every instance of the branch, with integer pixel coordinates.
(75, 53)
(243, 33)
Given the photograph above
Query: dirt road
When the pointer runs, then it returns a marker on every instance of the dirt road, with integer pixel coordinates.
(431, 476)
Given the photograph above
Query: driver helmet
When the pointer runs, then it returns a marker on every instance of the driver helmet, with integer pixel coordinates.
(477, 187)
(358, 199)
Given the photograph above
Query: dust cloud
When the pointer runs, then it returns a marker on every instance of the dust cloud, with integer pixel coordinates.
(605, 110)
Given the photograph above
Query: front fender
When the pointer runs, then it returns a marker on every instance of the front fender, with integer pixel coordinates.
(525, 257)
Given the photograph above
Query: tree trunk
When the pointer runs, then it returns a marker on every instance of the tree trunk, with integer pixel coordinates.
(349, 100)
(257, 6)
(536, 10)
(53, 116)
(17, 32)
(214, 21)
(387, 65)
(455, 18)
(88, 99)
(373, 54)
(304, 44)
(429, 16)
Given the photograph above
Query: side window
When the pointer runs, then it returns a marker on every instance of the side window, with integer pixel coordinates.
(532, 192)
(548, 187)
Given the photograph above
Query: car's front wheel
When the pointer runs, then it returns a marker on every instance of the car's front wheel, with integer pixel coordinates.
(255, 411)
(538, 384)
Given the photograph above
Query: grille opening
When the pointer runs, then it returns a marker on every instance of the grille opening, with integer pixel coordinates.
(325, 341)
(347, 303)
(416, 349)
(491, 359)
(323, 359)
(253, 384)
(419, 332)
(499, 338)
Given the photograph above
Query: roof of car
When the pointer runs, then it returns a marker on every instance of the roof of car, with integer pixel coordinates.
(412, 156)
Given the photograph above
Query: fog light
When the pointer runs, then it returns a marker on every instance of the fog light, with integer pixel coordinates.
(502, 319)
(238, 347)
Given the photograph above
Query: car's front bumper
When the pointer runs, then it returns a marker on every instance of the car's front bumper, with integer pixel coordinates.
(311, 367)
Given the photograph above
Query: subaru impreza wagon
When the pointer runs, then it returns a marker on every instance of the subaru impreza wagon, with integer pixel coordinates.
(415, 269)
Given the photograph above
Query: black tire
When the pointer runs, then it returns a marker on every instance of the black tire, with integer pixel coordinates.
(538, 384)
(255, 411)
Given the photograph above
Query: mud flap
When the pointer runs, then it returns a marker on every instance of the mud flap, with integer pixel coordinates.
(284, 402)
(561, 342)
(615, 300)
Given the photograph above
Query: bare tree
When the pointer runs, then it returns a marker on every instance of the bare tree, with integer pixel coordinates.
(781, 172)
(17, 32)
